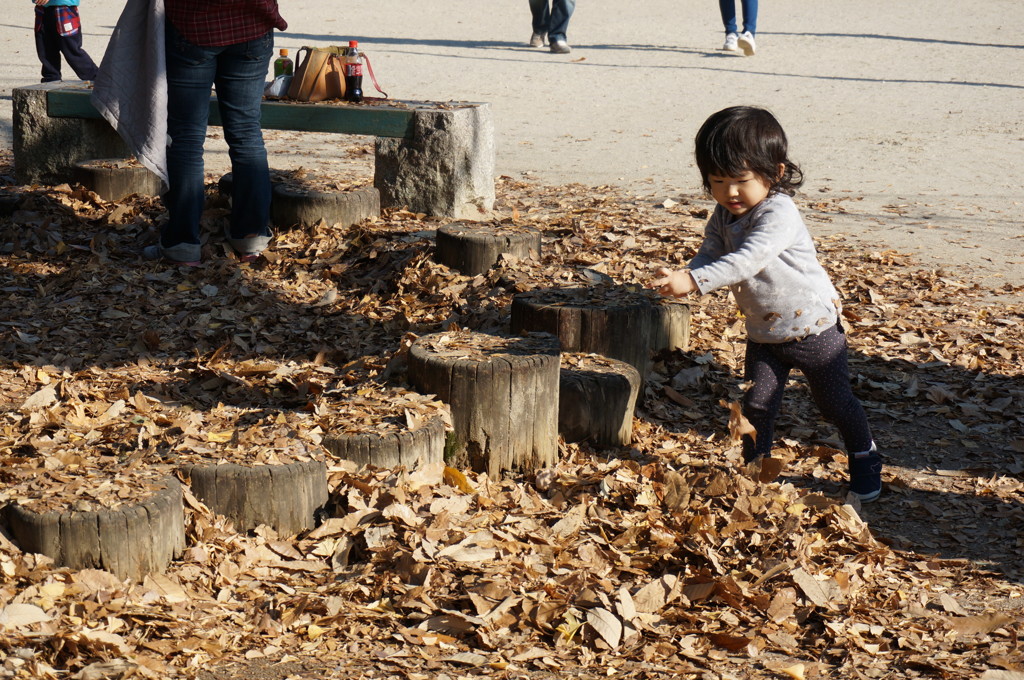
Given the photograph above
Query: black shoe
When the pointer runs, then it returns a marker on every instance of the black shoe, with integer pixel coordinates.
(866, 475)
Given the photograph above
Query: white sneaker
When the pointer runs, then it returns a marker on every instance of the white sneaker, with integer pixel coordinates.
(746, 43)
(537, 39)
(732, 43)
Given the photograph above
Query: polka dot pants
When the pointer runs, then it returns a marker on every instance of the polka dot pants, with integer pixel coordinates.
(822, 360)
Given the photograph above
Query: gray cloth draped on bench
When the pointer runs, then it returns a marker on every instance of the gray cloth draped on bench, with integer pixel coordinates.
(131, 88)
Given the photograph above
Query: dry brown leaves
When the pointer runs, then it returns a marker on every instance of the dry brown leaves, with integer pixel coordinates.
(668, 559)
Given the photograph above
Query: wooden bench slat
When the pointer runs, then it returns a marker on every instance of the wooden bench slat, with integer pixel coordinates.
(380, 121)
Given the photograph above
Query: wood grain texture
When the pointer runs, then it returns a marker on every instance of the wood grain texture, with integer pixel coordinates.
(504, 405)
(284, 497)
(473, 249)
(129, 542)
(409, 448)
(596, 401)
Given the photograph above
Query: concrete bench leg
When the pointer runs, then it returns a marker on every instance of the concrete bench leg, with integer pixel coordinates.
(446, 169)
(46, 149)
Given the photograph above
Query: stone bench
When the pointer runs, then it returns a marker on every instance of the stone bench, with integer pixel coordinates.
(433, 158)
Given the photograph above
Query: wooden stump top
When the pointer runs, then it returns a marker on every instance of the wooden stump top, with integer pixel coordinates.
(477, 347)
(586, 297)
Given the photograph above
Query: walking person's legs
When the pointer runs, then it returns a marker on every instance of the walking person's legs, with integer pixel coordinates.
(745, 40)
(767, 374)
(47, 43)
(823, 361)
(561, 12)
(70, 41)
(749, 16)
(728, 10)
(541, 12)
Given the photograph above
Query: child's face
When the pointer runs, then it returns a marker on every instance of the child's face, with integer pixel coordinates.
(739, 194)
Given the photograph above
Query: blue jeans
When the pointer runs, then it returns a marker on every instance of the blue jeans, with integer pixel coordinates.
(553, 20)
(728, 8)
(239, 73)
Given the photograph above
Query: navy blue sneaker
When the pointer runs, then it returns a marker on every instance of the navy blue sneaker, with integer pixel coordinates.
(866, 475)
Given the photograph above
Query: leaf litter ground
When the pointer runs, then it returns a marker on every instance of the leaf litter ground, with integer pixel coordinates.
(666, 559)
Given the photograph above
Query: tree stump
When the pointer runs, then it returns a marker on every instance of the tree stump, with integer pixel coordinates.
(293, 205)
(129, 541)
(474, 248)
(295, 202)
(284, 497)
(410, 448)
(503, 394)
(596, 400)
(620, 322)
(114, 178)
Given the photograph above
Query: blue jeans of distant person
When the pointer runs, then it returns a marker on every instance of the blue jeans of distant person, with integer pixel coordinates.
(728, 8)
(239, 74)
(552, 17)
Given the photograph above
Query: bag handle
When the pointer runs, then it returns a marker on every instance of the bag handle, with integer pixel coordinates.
(369, 67)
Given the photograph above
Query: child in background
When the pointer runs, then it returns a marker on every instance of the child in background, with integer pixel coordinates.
(58, 31)
(757, 244)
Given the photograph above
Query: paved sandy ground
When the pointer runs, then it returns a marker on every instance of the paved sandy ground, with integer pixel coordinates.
(908, 114)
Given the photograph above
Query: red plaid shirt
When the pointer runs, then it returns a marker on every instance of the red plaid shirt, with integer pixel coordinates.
(215, 23)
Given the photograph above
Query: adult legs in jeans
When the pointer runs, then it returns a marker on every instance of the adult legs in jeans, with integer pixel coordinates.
(552, 17)
(728, 9)
(823, 361)
(239, 72)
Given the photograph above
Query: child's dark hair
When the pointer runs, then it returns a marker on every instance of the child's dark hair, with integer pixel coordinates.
(742, 138)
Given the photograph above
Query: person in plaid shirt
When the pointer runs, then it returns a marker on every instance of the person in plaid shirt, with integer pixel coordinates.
(58, 30)
(227, 45)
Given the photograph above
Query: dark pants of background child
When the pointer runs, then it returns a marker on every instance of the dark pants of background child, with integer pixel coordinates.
(59, 31)
(822, 360)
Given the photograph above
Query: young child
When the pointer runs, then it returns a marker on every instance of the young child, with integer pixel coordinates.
(757, 244)
(58, 31)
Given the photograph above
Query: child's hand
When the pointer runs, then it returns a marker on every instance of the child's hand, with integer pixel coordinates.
(676, 283)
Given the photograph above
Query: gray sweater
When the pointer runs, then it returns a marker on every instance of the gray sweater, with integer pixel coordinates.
(768, 261)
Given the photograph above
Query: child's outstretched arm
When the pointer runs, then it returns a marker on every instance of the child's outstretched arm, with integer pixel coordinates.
(676, 283)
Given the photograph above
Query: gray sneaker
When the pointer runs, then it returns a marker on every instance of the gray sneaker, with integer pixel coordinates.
(185, 254)
(560, 47)
(538, 39)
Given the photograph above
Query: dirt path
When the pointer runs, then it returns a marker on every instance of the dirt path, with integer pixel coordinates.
(909, 118)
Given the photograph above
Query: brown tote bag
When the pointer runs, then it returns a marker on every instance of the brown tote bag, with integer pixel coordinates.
(319, 75)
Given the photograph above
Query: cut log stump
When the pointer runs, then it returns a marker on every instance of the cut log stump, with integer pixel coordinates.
(410, 448)
(618, 322)
(503, 394)
(293, 205)
(474, 248)
(129, 541)
(284, 497)
(114, 178)
(296, 203)
(596, 400)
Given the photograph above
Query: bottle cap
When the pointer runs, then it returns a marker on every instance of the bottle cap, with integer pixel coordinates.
(353, 43)
(284, 51)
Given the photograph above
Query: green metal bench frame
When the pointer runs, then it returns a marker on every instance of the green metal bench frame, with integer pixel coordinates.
(391, 119)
